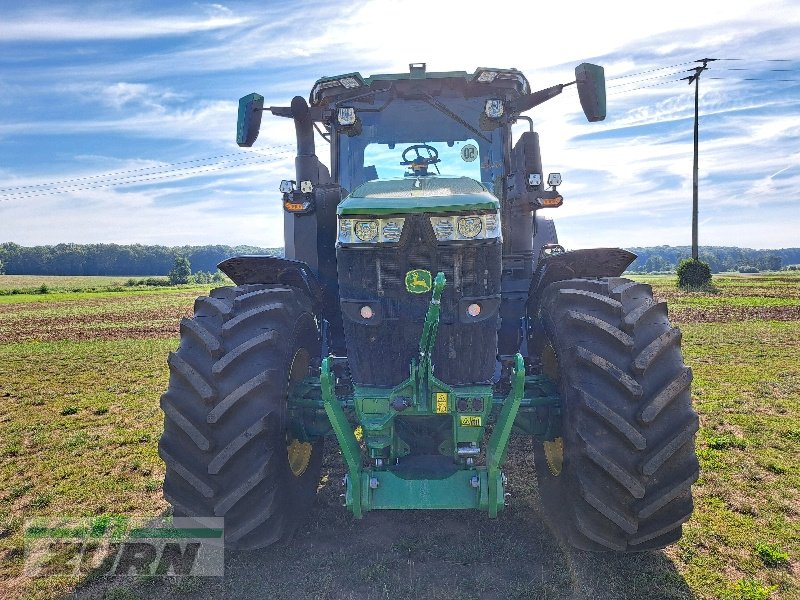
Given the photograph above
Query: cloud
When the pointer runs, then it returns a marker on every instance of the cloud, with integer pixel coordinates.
(122, 94)
(60, 24)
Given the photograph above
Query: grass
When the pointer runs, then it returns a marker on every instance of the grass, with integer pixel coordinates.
(80, 377)
(58, 282)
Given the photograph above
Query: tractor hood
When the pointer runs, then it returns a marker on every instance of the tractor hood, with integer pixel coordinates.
(408, 195)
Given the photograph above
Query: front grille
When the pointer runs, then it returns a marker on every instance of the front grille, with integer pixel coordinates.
(380, 355)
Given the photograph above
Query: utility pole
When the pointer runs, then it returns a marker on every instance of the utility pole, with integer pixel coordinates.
(696, 80)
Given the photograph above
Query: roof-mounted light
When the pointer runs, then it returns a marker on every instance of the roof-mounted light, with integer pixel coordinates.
(348, 81)
(489, 76)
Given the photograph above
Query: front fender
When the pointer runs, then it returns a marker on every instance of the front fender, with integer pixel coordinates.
(255, 269)
(588, 263)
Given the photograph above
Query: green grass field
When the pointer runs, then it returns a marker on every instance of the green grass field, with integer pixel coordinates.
(80, 377)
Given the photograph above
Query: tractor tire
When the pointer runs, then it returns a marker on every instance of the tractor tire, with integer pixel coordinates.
(619, 478)
(226, 444)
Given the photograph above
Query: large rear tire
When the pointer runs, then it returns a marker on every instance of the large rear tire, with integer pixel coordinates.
(619, 478)
(227, 443)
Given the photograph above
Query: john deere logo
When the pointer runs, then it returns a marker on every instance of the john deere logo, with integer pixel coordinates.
(419, 281)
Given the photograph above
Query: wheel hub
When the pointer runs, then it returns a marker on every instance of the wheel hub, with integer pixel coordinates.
(298, 452)
(553, 450)
(554, 454)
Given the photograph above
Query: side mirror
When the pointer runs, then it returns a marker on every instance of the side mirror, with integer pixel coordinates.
(591, 82)
(248, 122)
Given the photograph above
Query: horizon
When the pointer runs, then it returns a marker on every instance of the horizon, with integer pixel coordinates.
(281, 247)
(132, 137)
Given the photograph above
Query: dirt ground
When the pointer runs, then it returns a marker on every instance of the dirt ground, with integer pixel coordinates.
(414, 555)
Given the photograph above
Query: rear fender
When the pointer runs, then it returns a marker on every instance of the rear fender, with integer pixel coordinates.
(245, 270)
(577, 264)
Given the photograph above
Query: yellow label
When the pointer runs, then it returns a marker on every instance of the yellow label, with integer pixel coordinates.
(441, 402)
(470, 421)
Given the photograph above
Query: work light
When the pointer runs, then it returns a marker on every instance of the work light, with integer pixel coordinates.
(494, 108)
(346, 116)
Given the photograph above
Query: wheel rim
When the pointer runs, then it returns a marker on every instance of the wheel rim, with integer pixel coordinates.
(554, 454)
(553, 451)
(298, 452)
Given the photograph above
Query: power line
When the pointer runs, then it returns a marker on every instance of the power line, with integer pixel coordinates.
(761, 70)
(751, 79)
(643, 87)
(650, 71)
(644, 79)
(761, 59)
(242, 155)
(142, 180)
(142, 176)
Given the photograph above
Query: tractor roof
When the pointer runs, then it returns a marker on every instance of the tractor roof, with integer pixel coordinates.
(484, 81)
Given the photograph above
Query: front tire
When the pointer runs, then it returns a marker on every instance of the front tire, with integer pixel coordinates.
(619, 478)
(227, 443)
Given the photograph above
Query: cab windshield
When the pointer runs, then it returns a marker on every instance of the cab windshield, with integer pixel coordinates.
(427, 137)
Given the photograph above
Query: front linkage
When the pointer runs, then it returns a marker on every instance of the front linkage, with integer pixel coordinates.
(395, 480)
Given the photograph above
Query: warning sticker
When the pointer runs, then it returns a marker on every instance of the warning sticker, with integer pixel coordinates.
(441, 402)
(470, 421)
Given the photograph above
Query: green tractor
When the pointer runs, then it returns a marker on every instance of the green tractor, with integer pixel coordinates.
(423, 313)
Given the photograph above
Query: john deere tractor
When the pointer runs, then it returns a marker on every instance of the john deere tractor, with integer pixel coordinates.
(424, 313)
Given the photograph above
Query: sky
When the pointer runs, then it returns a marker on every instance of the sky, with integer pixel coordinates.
(118, 119)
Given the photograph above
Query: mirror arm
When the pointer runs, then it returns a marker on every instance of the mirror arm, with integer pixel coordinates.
(286, 111)
(280, 111)
(528, 101)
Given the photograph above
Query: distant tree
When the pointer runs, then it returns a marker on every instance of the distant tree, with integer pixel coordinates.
(711, 260)
(655, 262)
(693, 274)
(1, 267)
(181, 271)
(770, 262)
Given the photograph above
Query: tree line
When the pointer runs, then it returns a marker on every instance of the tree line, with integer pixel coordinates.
(718, 258)
(140, 259)
(115, 259)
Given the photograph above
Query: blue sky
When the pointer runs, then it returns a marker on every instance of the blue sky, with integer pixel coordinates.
(117, 119)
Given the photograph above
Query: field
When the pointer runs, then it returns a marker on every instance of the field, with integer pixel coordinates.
(80, 377)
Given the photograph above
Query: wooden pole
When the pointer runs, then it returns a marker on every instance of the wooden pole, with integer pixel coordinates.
(695, 251)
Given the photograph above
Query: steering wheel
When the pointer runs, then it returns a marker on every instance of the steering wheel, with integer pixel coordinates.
(431, 159)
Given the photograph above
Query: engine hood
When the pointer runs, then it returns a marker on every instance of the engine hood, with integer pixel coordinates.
(410, 195)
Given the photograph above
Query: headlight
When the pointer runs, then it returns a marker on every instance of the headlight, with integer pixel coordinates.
(492, 223)
(467, 227)
(391, 230)
(442, 228)
(366, 231)
(470, 227)
(370, 231)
